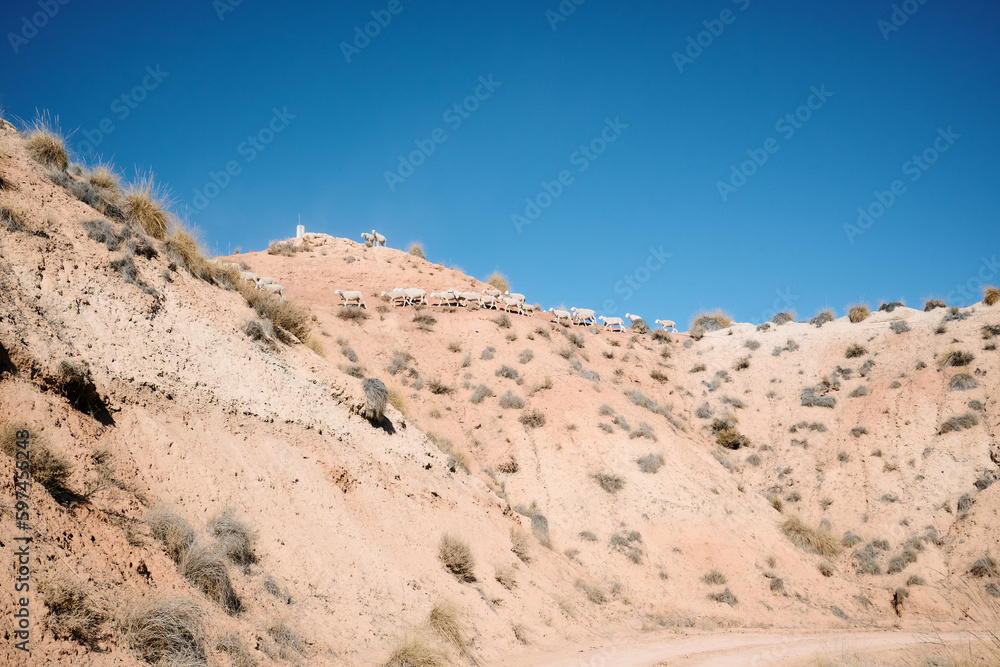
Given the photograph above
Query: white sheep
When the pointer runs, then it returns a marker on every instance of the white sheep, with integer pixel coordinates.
(584, 315)
(488, 301)
(415, 293)
(667, 324)
(261, 282)
(445, 297)
(529, 309)
(469, 297)
(495, 293)
(274, 288)
(612, 322)
(369, 238)
(515, 296)
(248, 276)
(378, 238)
(396, 295)
(561, 314)
(352, 295)
(509, 303)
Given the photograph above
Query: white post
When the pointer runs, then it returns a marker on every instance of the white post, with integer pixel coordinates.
(300, 231)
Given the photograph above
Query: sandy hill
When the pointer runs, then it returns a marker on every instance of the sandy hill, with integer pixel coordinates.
(609, 487)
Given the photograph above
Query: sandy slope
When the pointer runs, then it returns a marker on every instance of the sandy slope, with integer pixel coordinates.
(348, 516)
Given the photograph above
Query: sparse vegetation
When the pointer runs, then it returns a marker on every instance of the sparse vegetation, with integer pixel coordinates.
(165, 631)
(860, 391)
(991, 295)
(741, 364)
(712, 321)
(235, 537)
(962, 382)
(13, 220)
(145, 206)
(931, 304)
(532, 419)
(714, 578)
(482, 392)
(526, 356)
(984, 567)
(416, 249)
(824, 316)
(49, 467)
(650, 463)
(950, 358)
(783, 318)
(725, 596)
(511, 402)
(73, 614)
(814, 540)
(503, 321)
(499, 281)
(855, 351)
(412, 650)
(958, 423)
(45, 144)
(626, 542)
(608, 482)
(457, 557)
(858, 313)
(204, 568)
(899, 326)
(810, 398)
(172, 530)
(594, 593)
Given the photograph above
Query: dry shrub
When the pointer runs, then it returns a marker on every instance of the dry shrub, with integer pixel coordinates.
(482, 392)
(725, 596)
(287, 640)
(183, 247)
(594, 593)
(45, 143)
(953, 357)
(165, 631)
(650, 463)
(783, 318)
(416, 249)
(858, 313)
(104, 177)
(608, 482)
(352, 314)
(238, 653)
(48, 467)
(510, 401)
(204, 567)
(824, 316)
(504, 574)
(713, 321)
(984, 567)
(443, 619)
(855, 351)
(413, 650)
(962, 382)
(235, 537)
(814, 540)
(499, 281)
(532, 418)
(145, 206)
(991, 295)
(439, 388)
(931, 304)
(968, 420)
(288, 247)
(520, 544)
(72, 612)
(288, 318)
(13, 220)
(457, 557)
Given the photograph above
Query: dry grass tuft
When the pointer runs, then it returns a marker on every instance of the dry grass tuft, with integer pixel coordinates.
(145, 206)
(238, 653)
(289, 319)
(235, 537)
(413, 650)
(499, 281)
(72, 612)
(650, 463)
(608, 482)
(594, 593)
(855, 351)
(287, 640)
(713, 321)
(991, 295)
(952, 357)
(504, 574)
(204, 567)
(13, 220)
(532, 418)
(814, 540)
(103, 177)
(48, 467)
(172, 530)
(858, 313)
(45, 143)
(520, 544)
(443, 619)
(164, 631)
(457, 557)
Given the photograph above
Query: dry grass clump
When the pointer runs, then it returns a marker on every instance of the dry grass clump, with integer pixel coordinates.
(482, 392)
(182, 246)
(204, 567)
(594, 593)
(727, 435)
(13, 220)
(984, 567)
(856, 350)
(783, 318)
(416, 249)
(953, 357)
(103, 177)
(962, 382)
(413, 650)
(238, 653)
(609, 482)
(145, 206)
(235, 537)
(725, 596)
(626, 542)
(858, 313)
(444, 620)
(289, 319)
(287, 639)
(958, 423)
(457, 557)
(499, 281)
(100, 230)
(45, 144)
(824, 316)
(714, 578)
(713, 321)
(353, 314)
(899, 326)
(532, 419)
(520, 545)
(288, 247)
(931, 304)
(814, 540)
(172, 530)
(741, 364)
(813, 397)
(48, 467)
(650, 463)
(439, 388)
(991, 295)
(73, 614)
(164, 631)
(510, 401)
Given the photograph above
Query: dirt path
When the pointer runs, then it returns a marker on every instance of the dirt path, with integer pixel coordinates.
(735, 650)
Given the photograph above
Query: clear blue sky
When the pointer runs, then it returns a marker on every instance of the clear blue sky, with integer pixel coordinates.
(886, 93)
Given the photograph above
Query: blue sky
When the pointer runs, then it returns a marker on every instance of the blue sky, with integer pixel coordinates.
(654, 138)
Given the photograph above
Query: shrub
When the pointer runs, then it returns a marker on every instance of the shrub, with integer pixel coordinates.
(439, 388)
(48, 467)
(855, 351)
(416, 249)
(858, 313)
(593, 593)
(859, 391)
(510, 401)
(482, 392)
(650, 463)
(607, 428)
(352, 314)
(526, 356)
(823, 317)
(814, 540)
(968, 420)
(984, 567)
(233, 646)
(503, 321)
(45, 144)
(704, 411)
(962, 382)
(587, 536)
(991, 295)
(725, 596)
(859, 431)
(504, 574)
(349, 353)
(783, 318)
(643, 431)
(235, 537)
(811, 399)
(625, 543)
(287, 317)
(286, 638)
(499, 281)
(487, 354)
(931, 304)
(457, 557)
(183, 247)
(741, 364)
(751, 344)
(899, 326)
(172, 530)
(532, 419)
(13, 220)
(399, 362)
(72, 612)
(412, 650)
(955, 358)
(288, 247)
(145, 205)
(639, 325)
(444, 621)
(100, 230)
(204, 568)
(608, 482)
(424, 321)
(165, 631)
(713, 321)
(520, 544)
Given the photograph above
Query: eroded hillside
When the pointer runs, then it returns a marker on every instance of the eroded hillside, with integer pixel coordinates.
(581, 468)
